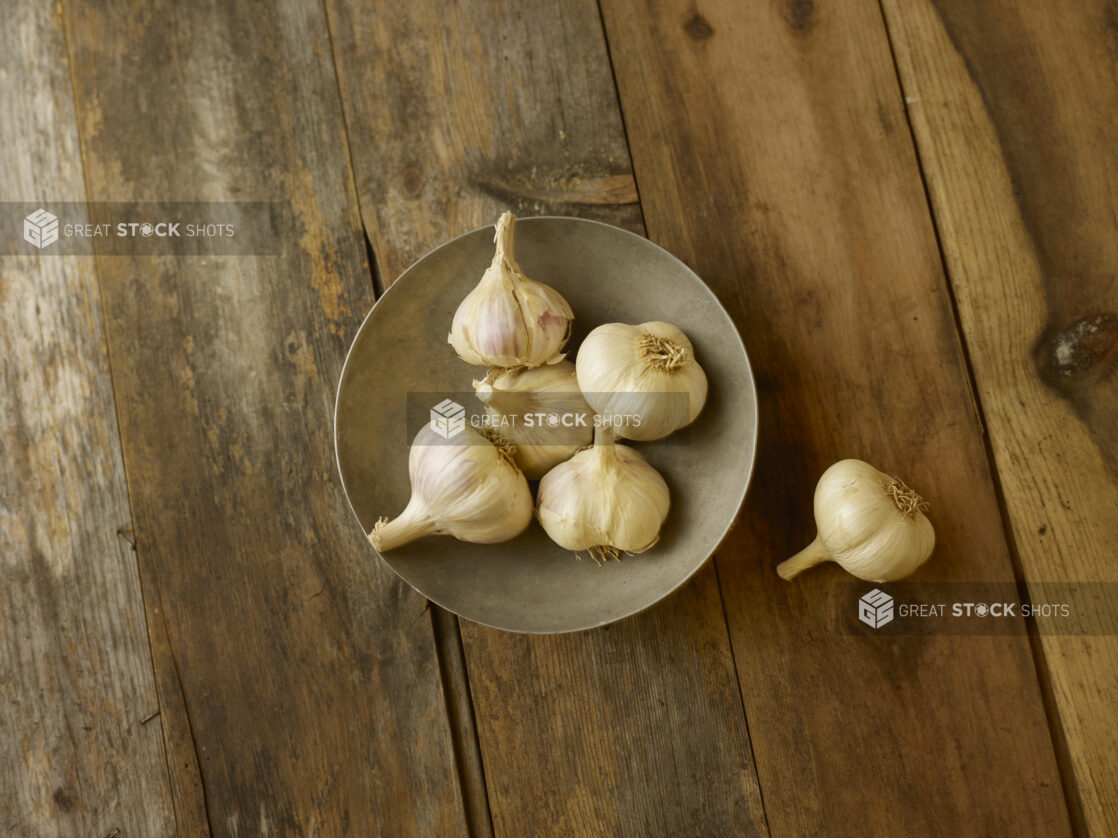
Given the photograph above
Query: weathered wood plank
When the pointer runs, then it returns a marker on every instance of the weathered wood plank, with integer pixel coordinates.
(1014, 110)
(308, 673)
(632, 729)
(460, 111)
(772, 154)
(463, 111)
(76, 684)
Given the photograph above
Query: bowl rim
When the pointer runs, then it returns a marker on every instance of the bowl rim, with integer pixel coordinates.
(745, 486)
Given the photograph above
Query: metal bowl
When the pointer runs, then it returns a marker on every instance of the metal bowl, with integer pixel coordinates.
(400, 357)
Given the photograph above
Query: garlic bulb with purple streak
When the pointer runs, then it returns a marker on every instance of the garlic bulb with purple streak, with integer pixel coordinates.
(466, 487)
(509, 320)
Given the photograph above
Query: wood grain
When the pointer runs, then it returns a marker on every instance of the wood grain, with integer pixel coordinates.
(463, 111)
(459, 111)
(771, 150)
(79, 754)
(306, 673)
(632, 729)
(1013, 108)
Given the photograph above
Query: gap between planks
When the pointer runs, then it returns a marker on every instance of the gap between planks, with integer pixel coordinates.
(636, 185)
(1048, 698)
(463, 725)
(370, 255)
(444, 625)
(741, 692)
(452, 665)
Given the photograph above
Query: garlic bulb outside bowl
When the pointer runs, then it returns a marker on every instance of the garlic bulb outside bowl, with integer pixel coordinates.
(540, 411)
(869, 523)
(466, 487)
(647, 373)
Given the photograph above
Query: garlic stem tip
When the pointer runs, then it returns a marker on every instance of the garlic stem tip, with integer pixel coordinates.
(815, 553)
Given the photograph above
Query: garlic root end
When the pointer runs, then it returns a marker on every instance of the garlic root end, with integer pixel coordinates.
(661, 353)
(907, 501)
(602, 553)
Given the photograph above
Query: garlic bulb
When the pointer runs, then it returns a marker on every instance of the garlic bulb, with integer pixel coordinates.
(540, 411)
(871, 524)
(509, 320)
(606, 499)
(645, 376)
(466, 487)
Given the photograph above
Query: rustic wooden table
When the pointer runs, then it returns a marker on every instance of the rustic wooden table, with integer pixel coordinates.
(908, 207)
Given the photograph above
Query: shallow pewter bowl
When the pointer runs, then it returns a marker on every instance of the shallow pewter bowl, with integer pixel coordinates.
(400, 357)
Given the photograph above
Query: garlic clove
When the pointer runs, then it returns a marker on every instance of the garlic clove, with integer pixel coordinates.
(869, 523)
(647, 371)
(509, 320)
(522, 403)
(605, 500)
(466, 487)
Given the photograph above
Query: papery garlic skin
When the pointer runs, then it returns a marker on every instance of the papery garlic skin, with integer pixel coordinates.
(647, 371)
(509, 320)
(605, 500)
(869, 523)
(466, 487)
(511, 397)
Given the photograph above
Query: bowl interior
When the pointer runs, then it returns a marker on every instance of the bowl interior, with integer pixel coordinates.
(400, 361)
